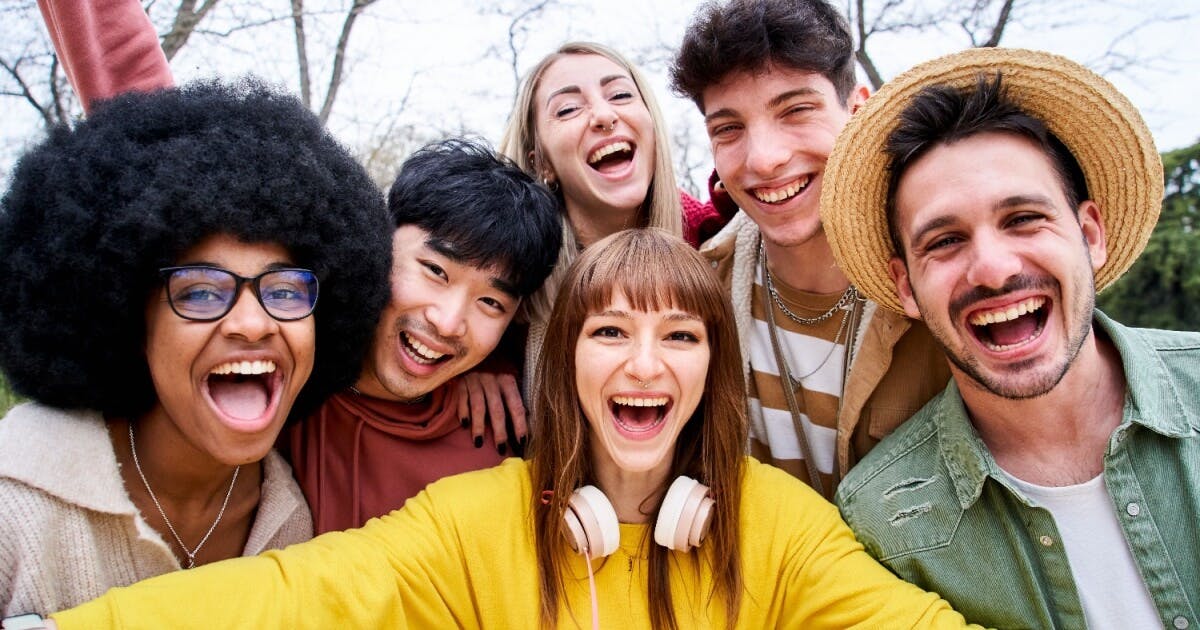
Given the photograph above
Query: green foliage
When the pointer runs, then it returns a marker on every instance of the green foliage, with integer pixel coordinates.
(7, 397)
(1162, 289)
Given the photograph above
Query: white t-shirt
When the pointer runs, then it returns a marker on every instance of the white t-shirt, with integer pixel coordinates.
(1112, 592)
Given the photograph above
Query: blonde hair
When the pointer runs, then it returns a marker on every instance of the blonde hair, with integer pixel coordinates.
(661, 209)
(653, 270)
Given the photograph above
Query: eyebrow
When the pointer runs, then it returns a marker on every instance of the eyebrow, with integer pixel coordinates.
(935, 223)
(570, 89)
(676, 316)
(1013, 201)
(509, 288)
(1023, 200)
(205, 263)
(575, 89)
(773, 103)
(791, 94)
(443, 247)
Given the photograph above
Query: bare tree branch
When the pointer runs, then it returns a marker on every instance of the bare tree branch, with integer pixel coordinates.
(26, 93)
(56, 98)
(516, 28)
(243, 26)
(186, 19)
(860, 54)
(998, 29)
(1113, 61)
(892, 16)
(301, 52)
(339, 57)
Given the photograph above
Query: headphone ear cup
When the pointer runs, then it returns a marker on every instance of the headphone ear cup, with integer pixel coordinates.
(684, 516)
(591, 523)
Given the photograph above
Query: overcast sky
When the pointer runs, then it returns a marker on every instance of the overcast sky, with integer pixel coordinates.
(434, 66)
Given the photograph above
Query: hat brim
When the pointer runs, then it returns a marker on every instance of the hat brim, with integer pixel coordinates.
(1101, 128)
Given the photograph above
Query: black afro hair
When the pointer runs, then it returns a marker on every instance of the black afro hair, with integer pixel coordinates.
(93, 212)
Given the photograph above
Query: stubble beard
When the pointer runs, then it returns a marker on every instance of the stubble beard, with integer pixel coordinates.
(1015, 389)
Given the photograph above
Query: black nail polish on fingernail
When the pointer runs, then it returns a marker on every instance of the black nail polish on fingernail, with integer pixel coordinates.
(464, 422)
(478, 441)
(502, 448)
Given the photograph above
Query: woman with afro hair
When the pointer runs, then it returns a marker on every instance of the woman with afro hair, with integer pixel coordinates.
(182, 271)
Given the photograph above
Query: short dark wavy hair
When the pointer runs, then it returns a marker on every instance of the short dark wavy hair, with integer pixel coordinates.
(750, 35)
(941, 114)
(93, 212)
(482, 208)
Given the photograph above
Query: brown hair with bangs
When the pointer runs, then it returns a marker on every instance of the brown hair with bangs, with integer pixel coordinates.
(654, 270)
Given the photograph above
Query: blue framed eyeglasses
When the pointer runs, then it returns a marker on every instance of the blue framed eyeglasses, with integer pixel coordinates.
(204, 293)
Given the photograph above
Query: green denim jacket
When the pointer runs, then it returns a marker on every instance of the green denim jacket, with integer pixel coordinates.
(932, 505)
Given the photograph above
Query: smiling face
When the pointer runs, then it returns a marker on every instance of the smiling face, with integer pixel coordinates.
(998, 264)
(595, 133)
(640, 376)
(771, 134)
(444, 317)
(227, 385)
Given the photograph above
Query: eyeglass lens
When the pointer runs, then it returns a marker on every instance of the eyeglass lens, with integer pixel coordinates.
(206, 293)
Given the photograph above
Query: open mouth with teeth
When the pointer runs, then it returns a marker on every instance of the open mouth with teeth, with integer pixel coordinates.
(610, 157)
(245, 390)
(639, 415)
(419, 352)
(1012, 326)
(784, 193)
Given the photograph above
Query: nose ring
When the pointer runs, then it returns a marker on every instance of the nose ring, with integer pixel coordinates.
(612, 125)
(644, 384)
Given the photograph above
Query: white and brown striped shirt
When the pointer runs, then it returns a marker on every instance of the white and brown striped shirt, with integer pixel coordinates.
(817, 360)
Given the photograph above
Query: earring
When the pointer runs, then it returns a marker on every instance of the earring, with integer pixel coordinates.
(551, 184)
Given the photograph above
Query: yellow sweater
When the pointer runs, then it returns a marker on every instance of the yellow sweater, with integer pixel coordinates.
(460, 554)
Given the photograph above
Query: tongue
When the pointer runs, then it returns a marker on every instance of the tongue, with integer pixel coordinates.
(244, 399)
(637, 416)
(1013, 331)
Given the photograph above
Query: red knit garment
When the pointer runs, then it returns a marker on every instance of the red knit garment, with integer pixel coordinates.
(701, 221)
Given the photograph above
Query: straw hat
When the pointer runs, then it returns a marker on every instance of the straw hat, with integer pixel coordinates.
(1097, 123)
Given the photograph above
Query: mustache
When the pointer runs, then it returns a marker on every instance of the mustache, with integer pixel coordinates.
(1012, 285)
(427, 330)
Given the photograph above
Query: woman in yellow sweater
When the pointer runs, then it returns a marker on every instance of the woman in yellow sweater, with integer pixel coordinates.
(641, 388)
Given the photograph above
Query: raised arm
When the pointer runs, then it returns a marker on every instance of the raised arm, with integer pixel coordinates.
(399, 571)
(107, 47)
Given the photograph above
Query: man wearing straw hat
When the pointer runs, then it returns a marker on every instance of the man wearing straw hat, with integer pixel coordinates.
(828, 373)
(1054, 483)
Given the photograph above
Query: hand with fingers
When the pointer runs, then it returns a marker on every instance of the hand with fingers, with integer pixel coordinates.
(493, 397)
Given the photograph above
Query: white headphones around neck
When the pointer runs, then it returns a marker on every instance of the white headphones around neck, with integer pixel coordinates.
(683, 519)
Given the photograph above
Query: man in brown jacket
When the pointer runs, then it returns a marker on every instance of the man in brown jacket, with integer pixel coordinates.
(828, 374)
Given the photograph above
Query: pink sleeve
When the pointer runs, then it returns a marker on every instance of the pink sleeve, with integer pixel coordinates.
(106, 47)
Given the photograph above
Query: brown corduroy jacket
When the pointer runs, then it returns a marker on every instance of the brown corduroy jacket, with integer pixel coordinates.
(895, 365)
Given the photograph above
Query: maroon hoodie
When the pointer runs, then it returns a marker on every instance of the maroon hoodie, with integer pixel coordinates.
(360, 457)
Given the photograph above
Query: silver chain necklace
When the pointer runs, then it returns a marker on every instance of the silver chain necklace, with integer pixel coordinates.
(833, 346)
(849, 296)
(191, 554)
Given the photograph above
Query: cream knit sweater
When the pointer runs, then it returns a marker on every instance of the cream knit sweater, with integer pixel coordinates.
(68, 530)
